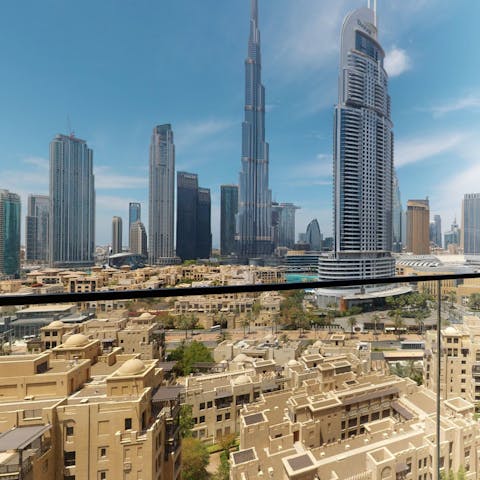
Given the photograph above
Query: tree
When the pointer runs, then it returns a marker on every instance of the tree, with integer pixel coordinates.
(195, 459)
(186, 420)
(352, 321)
(187, 354)
(474, 301)
(187, 322)
(461, 475)
(398, 323)
(376, 319)
(226, 443)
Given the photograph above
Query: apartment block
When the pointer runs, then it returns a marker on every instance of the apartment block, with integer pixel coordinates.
(75, 413)
(375, 428)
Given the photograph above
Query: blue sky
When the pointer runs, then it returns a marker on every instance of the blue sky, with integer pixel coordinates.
(116, 68)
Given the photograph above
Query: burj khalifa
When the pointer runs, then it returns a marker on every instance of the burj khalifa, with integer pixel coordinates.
(254, 225)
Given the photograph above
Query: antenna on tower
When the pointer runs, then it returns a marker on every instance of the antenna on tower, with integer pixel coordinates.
(71, 133)
(374, 12)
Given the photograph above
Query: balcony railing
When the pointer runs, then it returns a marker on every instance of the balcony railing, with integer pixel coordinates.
(436, 280)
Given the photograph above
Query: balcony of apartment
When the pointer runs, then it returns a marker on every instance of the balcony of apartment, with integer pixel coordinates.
(167, 402)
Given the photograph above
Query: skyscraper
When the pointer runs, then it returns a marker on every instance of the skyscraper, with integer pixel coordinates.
(36, 228)
(397, 212)
(117, 234)
(436, 231)
(470, 232)
(194, 234)
(418, 222)
(204, 228)
(285, 225)
(138, 237)
(363, 157)
(453, 236)
(313, 236)
(134, 215)
(228, 211)
(9, 234)
(161, 196)
(187, 204)
(254, 225)
(72, 203)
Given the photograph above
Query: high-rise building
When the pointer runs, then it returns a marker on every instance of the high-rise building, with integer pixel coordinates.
(36, 228)
(187, 204)
(9, 234)
(161, 196)
(138, 239)
(286, 225)
(117, 234)
(363, 158)
(228, 212)
(254, 224)
(397, 217)
(470, 233)
(436, 231)
(72, 203)
(204, 228)
(418, 231)
(314, 236)
(453, 236)
(134, 215)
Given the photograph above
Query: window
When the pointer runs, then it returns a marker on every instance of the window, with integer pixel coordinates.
(69, 459)
(219, 418)
(102, 475)
(128, 424)
(202, 406)
(227, 416)
(209, 404)
(103, 452)
(202, 419)
(69, 431)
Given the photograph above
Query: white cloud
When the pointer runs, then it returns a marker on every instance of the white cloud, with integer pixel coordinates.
(467, 102)
(397, 62)
(192, 134)
(107, 179)
(38, 162)
(418, 149)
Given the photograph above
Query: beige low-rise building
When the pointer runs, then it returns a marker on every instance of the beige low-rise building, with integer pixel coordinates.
(64, 419)
(377, 428)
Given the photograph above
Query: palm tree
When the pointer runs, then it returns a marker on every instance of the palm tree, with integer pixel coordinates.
(419, 321)
(352, 321)
(375, 319)
(398, 323)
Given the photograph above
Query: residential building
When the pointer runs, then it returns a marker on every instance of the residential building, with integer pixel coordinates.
(74, 413)
(36, 228)
(228, 212)
(253, 232)
(436, 231)
(117, 235)
(161, 204)
(134, 215)
(72, 203)
(470, 233)
(9, 234)
(362, 158)
(374, 428)
(313, 236)
(418, 231)
(284, 224)
(138, 239)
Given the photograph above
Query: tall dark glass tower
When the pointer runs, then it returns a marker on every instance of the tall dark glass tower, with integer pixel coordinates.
(362, 157)
(204, 229)
(187, 203)
(228, 211)
(36, 228)
(9, 234)
(254, 226)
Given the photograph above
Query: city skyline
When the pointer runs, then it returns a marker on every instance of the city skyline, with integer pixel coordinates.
(299, 109)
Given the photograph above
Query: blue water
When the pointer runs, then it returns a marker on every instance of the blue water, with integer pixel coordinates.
(295, 277)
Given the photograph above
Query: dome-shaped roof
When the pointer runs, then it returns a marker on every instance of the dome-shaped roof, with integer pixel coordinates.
(56, 324)
(146, 315)
(450, 331)
(241, 380)
(77, 340)
(134, 366)
(241, 357)
(292, 363)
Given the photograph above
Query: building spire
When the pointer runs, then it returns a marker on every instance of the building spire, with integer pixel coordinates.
(254, 11)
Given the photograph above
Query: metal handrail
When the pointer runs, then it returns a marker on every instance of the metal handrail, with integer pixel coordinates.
(6, 300)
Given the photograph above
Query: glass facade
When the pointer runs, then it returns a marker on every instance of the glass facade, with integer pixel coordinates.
(9, 234)
(228, 212)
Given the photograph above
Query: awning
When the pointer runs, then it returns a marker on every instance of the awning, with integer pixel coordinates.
(19, 437)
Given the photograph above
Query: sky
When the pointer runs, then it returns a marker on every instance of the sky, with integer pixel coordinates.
(111, 70)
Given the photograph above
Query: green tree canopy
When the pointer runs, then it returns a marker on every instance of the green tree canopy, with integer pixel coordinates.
(186, 354)
(195, 459)
(186, 421)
